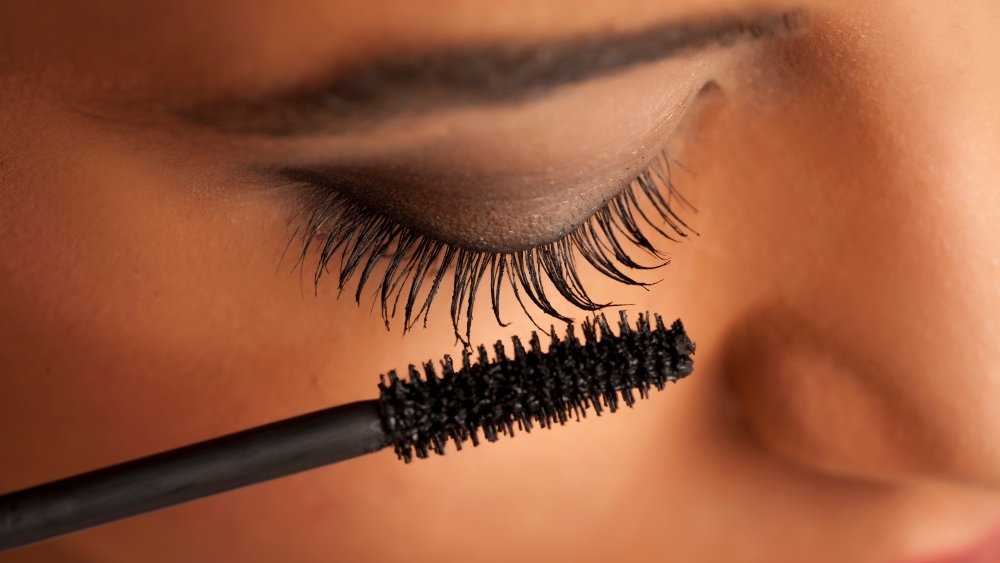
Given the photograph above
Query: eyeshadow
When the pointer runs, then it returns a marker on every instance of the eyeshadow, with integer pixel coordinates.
(498, 215)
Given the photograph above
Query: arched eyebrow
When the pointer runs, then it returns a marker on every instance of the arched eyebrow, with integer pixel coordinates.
(411, 83)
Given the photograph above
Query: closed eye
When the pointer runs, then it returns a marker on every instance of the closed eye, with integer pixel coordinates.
(408, 269)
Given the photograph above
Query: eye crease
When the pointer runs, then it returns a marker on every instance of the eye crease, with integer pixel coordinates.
(352, 239)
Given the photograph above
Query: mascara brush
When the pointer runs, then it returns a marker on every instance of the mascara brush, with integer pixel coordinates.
(415, 416)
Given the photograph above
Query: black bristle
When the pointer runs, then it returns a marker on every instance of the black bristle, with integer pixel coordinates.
(532, 388)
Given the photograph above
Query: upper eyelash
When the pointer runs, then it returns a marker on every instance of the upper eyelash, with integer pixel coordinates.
(363, 237)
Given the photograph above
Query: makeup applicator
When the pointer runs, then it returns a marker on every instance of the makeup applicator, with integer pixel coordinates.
(415, 416)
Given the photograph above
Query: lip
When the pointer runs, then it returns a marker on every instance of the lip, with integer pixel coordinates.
(984, 550)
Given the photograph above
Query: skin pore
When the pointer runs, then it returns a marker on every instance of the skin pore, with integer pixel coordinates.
(841, 291)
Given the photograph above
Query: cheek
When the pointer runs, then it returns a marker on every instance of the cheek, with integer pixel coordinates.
(137, 295)
(168, 323)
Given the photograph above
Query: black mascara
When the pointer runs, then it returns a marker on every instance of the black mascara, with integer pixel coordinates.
(416, 416)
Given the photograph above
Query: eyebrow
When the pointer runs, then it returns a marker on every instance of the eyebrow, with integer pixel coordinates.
(409, 83)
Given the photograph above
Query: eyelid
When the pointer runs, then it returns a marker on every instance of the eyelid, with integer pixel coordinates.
(359, 239)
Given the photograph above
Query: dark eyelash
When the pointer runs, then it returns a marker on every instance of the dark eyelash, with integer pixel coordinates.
(362, 238)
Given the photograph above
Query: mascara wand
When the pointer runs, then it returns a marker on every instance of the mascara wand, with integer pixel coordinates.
(416, 416)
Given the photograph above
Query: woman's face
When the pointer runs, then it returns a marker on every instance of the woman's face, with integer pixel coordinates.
(158, 161)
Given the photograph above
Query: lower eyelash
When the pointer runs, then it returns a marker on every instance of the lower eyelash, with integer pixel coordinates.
(362, 238)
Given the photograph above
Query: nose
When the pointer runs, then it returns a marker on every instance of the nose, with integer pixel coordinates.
(869, 341)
